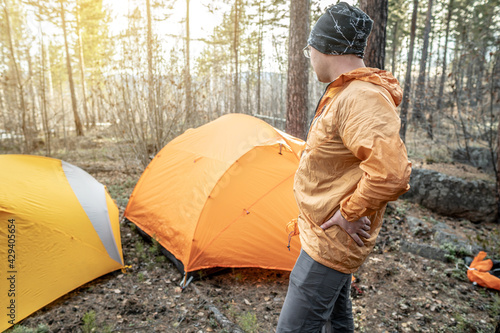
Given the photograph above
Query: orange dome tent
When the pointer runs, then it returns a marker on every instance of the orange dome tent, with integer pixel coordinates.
(221, 196)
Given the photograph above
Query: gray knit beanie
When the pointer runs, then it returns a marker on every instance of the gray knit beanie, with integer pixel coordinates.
(343, 29)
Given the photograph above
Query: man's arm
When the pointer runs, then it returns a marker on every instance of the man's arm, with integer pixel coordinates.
(369, 127)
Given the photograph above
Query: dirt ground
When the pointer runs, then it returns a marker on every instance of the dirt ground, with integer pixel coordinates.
(394, 291)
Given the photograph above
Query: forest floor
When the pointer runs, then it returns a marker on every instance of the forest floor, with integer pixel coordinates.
(394, 291)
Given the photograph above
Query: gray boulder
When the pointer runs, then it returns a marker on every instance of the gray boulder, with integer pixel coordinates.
(424, 250)
(452, 196)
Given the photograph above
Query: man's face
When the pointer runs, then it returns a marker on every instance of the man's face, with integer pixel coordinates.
(320, 65)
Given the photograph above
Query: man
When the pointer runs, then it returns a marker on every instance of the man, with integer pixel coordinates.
(353, 164)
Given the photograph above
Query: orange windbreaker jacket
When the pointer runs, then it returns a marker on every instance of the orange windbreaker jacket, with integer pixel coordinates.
(354, 160)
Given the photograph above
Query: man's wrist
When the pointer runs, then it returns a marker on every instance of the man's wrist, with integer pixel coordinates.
(342, 215)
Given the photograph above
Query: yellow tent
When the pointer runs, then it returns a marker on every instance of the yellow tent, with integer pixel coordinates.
(221, 196)
(59, 229)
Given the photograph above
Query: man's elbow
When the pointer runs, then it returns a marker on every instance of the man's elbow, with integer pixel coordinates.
(402, 185)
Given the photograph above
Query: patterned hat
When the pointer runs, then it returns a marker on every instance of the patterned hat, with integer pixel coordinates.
(343, 29)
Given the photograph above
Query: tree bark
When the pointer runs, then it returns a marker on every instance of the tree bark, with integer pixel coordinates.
(393, 55)
(74, 104)
(32, 121)
(407, 85)
(420, 98)
(375, 47)
(494, 89)
(155, 120)
(22, 104)
(82, 70)
(298, 70)
(445, 52)
(189, 98)
(259, 56)
(237, 100)
(45, 116)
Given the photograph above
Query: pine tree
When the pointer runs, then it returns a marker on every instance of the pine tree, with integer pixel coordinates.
(298, 70)
(420, 95)
(407, 85)
(375, 48)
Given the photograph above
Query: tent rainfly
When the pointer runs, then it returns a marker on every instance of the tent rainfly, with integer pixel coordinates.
(221, 195)
(59, 229)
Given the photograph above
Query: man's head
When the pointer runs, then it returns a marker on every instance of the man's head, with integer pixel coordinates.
(343, 29)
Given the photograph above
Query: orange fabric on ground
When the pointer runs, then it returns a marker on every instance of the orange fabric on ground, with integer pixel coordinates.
(478, 272)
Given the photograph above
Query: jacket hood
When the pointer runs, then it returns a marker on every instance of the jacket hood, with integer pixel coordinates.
(375, 76)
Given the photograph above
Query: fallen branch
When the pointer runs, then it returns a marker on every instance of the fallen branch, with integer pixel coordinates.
(221, 319)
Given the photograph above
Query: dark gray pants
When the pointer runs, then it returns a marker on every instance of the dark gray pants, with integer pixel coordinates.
(316, 294)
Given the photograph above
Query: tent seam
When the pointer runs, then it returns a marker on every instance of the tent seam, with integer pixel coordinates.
(233, 221)
(209, 196)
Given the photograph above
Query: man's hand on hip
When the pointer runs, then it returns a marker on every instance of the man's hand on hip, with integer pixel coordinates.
(354, 229)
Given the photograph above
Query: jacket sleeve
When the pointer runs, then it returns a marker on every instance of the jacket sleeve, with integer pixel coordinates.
(369, 127)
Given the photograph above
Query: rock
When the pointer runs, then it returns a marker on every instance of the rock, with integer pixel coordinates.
(424, 250)
(461, 245)
(452, 196)
(417, 226)
(479, 157)
(440, 226)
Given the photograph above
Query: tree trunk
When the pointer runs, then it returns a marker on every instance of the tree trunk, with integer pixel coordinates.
(45, 116)
(407, 86)
(22, 104)
(189, 99)
(154, 120)
(74, 104)
(298, 70)
(151, 89)
(393, 56)
(259, 56)
(82, 71)
(248, 103)
(479, 76)
(3, 104)
(458, 91)
(63, 113)
(439, 106)
(494, 95)
(375, 47)
(420, 98)
(31, 116)
(49, 73)
(237, 100)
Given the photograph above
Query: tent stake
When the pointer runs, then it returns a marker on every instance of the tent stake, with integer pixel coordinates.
(183, 283)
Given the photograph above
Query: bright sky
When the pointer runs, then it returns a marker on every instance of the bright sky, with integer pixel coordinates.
(202, 21)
